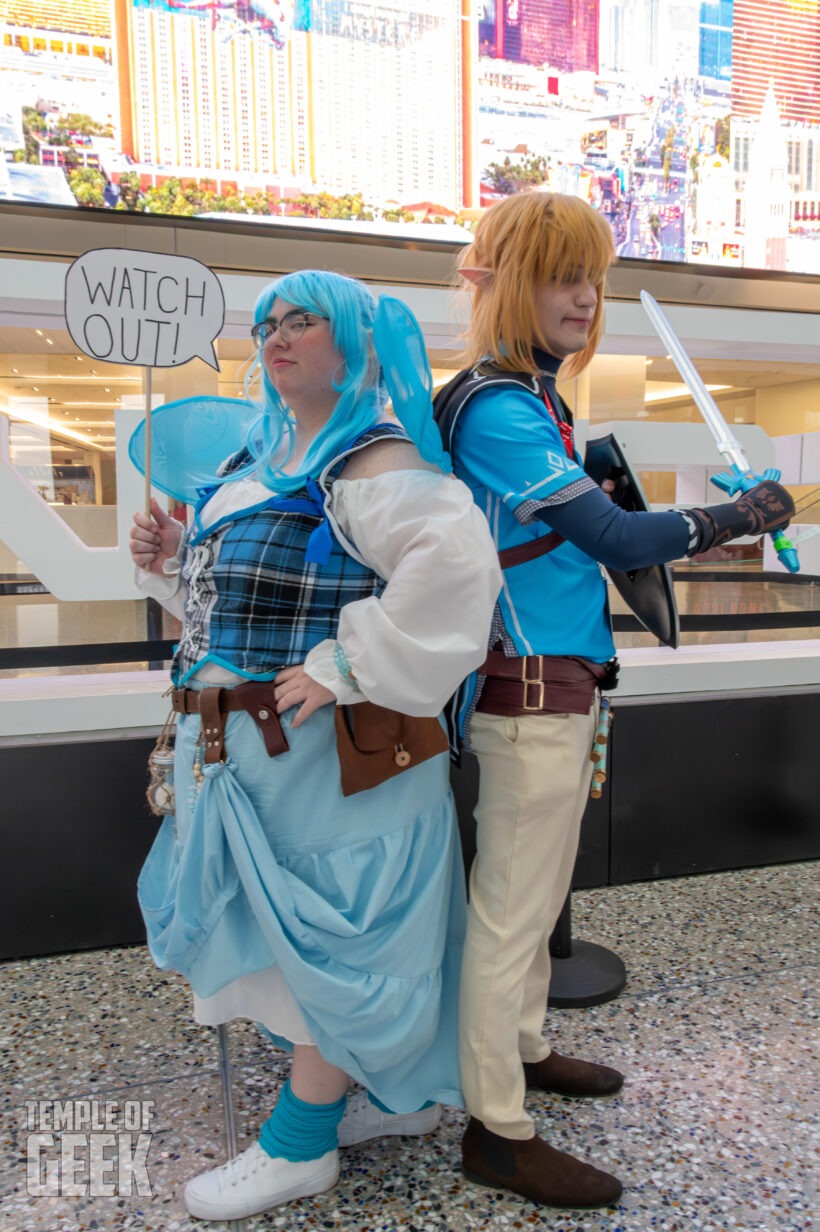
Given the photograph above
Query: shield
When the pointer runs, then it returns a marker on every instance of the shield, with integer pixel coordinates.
(649, 593)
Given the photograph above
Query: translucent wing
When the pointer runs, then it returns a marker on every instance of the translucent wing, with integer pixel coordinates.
(189, 439)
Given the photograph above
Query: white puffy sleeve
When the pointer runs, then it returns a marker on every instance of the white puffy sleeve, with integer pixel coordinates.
(412, 646)
(167, 588)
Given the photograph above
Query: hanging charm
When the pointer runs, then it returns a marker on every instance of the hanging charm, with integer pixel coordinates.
(599, 749)
(197, 775)
(160, 790)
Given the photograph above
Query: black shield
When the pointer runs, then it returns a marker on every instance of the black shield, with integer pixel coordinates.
(649, 592)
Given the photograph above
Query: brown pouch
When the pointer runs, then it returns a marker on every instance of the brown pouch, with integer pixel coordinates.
(376, 744)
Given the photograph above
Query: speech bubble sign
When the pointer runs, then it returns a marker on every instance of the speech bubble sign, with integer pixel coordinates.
(144, 308)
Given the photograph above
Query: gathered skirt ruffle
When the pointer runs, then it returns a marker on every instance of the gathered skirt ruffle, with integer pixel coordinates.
(359, 901)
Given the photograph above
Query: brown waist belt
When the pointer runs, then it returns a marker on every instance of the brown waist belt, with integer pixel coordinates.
(538, 684)
(256, 697)
(373, 745)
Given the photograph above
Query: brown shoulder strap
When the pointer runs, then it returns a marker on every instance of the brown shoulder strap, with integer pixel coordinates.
(522, 552)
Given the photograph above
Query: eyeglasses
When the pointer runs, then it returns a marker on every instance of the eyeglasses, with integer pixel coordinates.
(291, 327)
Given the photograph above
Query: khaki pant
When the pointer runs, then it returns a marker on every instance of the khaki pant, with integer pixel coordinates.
(535, 774)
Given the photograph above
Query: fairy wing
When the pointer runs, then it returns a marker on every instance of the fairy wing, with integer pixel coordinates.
(189, 440)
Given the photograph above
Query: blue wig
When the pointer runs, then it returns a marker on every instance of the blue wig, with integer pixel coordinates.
(350, 308)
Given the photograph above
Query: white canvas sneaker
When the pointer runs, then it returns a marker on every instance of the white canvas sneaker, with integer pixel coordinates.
(254, 1181)
(363, 1120)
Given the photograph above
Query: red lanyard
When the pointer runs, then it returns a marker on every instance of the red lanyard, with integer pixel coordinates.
(563, 427)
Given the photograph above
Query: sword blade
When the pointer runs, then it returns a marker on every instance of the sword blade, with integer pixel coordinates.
(726, 443)
(743, 477)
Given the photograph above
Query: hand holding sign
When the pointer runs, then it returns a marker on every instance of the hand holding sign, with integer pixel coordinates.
(144, 308)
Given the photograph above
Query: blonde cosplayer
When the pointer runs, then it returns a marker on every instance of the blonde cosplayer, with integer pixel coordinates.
(521, 244)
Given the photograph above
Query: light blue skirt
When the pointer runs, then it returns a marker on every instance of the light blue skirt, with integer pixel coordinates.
(360, 901)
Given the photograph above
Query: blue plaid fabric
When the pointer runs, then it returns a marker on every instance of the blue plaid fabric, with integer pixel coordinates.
(252, 597)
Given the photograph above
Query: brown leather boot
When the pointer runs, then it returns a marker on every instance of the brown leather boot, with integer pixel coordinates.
(569, 1076)
(535, 1170)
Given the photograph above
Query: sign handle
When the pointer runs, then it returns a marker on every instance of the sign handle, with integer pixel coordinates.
(148, 400)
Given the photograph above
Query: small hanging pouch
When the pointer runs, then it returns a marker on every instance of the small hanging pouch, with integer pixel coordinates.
(160, 790)
(375, 744)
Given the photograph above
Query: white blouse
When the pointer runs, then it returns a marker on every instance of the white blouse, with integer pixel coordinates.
(410, 647)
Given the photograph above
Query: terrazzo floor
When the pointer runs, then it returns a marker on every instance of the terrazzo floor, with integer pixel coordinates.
(715, 1128)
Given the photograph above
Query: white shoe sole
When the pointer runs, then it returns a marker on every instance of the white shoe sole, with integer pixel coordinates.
(239, 1209)
(414, 1125)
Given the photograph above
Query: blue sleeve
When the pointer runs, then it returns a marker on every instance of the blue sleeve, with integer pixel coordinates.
(618, 539)
(507, 441)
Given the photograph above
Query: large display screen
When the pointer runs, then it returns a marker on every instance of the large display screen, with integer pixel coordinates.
(693, 127)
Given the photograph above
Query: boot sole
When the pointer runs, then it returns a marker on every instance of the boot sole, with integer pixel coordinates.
(415, 1129)
(240, 1210)
(562, 1206)
(576, 1094)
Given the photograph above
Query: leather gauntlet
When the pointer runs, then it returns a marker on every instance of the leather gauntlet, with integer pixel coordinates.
(764, 508)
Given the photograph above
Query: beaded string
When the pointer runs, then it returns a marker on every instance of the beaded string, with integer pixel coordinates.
(343, 666)
(198, 775)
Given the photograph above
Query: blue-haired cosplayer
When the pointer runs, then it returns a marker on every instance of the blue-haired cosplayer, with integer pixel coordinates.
(327, 554)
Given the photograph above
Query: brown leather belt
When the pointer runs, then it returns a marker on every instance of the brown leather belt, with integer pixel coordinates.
(538, 684)
(255, 697)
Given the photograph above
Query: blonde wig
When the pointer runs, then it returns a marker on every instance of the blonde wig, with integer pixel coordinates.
(520, 244)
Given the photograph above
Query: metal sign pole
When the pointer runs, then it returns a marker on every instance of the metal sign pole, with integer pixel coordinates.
(227, 1103)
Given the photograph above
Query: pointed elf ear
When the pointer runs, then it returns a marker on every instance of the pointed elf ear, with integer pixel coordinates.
(477, 275)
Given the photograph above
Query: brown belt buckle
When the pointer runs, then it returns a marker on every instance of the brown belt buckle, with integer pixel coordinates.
(178, 700)
(528, 680)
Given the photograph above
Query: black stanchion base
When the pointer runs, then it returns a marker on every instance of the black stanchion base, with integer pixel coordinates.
(590, 975)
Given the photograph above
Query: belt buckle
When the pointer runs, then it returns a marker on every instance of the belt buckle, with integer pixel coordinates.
(179, 700)
(529, 680)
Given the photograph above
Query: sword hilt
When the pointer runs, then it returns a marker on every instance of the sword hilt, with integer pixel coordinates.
(738, 480)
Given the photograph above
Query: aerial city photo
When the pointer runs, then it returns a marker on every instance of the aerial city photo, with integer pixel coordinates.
(692, 126)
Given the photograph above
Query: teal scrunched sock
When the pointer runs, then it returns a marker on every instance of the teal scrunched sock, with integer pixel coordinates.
(298, 1131)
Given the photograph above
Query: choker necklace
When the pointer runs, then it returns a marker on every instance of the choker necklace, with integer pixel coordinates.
(547, 363)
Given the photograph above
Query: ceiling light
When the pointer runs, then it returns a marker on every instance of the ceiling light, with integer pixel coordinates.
(41, 419)
(85, 380)
(679, 391)
(88, 405)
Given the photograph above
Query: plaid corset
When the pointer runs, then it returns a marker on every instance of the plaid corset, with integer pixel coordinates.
(253, 598)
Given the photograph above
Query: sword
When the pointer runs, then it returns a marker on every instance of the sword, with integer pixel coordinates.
(741, 477)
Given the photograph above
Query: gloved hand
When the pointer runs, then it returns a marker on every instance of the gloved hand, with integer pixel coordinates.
(764, 508)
